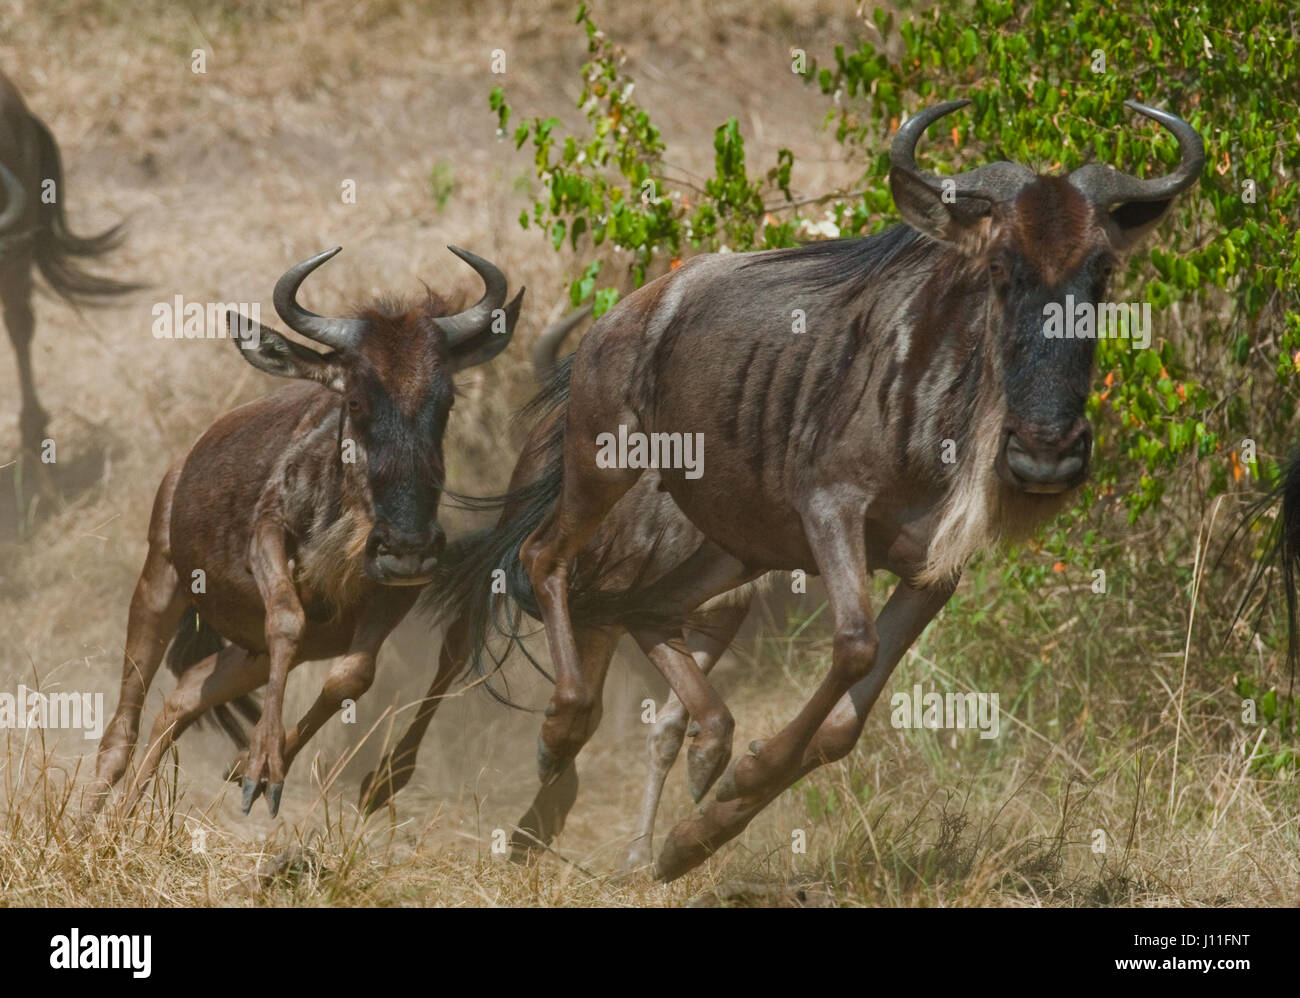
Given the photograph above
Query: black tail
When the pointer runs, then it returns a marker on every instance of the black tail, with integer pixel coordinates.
(1282, 551)
(482, 581)
(195, 641)
(55, 245)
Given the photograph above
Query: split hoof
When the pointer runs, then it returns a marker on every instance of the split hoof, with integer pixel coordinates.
(372, 796)
(704, 766)
(677, 857)
(741, 777)
(251, 791)
(273, 793)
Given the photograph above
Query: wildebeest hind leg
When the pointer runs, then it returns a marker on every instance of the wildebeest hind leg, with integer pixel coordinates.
(669, 730)
(588, 494)
(706, 573)
(545, 818)
(16, 297)
(156, 608)
(220, 678)
(904, 617)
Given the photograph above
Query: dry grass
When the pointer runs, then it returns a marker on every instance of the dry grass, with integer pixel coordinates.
(228, 177)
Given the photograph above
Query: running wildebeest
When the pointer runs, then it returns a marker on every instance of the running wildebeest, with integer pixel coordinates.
(925, 413)
(644, 539)
(311, 517)
(34, 231)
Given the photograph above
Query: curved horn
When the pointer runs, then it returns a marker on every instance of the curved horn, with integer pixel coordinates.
(1107, 186)
(547, 347)
(993, 181)
(476, 319)
(338, 334)
(15, 199)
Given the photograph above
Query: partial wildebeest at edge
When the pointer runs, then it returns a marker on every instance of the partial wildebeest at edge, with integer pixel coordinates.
(1281, 551)
(644, 545)
(826, 449)
(35, 232)
(304, 554)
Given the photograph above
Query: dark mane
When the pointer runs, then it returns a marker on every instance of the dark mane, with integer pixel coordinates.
(847, 265)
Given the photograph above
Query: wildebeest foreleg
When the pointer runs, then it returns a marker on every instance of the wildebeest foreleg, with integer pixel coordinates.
(220, 678)
(904, 617)
(348, 678)
(669, 730)
(156, 608)
(285, 620)
(16, 296)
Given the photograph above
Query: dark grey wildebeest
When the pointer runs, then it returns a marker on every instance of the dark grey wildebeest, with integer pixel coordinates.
(34, 231)
(925, 413)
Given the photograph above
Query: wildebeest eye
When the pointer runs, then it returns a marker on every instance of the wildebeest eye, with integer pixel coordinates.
(997, 270)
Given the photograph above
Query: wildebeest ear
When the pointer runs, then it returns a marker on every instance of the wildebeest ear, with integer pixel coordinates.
(268, 351)
(491, 340)
(963, 221)
(1131, 221)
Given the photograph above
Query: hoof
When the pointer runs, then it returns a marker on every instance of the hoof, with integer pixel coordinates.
(704, 767)
(250, 795)
(84, 825)
(727, 785)
(524, 848)
(735, 784)
(273, 793)
(638, 858)
(365, 801)
(676, 858)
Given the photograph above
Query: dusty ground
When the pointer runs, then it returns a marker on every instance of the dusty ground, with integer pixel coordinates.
(228, 177)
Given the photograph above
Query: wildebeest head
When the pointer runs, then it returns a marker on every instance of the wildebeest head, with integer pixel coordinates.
(393, 369)
(1042, 240)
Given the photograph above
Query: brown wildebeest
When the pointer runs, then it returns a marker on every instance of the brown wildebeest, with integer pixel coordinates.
(926, 412)
(310, 515)
(623, 581)
(33, 231)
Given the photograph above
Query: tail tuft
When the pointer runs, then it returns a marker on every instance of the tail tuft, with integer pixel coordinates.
(56, 246)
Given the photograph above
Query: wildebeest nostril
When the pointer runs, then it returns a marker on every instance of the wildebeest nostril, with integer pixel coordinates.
(1044, 466)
